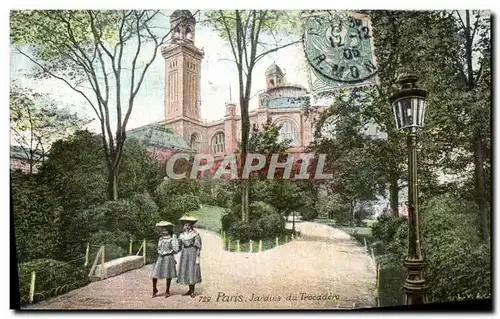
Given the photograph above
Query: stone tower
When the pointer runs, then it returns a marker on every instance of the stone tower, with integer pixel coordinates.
(274, 76)
(182, 72)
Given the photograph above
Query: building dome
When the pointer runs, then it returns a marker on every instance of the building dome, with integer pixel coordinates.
(273, 69)
(182, 14)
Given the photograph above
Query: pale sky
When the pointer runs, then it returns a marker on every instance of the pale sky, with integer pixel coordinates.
(216, 77)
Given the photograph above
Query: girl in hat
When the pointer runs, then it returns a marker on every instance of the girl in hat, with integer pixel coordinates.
(164, 267)
(189, 264)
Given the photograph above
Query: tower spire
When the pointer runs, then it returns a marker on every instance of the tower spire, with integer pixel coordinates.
(230, 95)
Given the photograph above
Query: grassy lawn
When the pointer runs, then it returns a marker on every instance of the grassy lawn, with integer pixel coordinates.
(360, 233)
(209, 217)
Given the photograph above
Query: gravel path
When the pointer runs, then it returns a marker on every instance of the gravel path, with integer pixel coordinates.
(323, 268)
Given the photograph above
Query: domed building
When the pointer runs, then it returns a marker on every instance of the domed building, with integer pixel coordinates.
(281, 102)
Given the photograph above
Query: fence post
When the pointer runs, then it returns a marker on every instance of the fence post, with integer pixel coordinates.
(87, 255)
(32, 286)
(130, 246)
(366, 246)
(238, 245)
(103, 260)
(378, 286)
(277, 242)
(251, 246)
(260, 244)
(144, 250)
(229, 244)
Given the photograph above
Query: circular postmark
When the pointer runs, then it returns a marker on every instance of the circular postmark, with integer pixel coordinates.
(338, 47)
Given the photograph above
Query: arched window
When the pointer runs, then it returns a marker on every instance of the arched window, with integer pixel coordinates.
(272, 82)
(218, 145)
(288, 132)
(195, 142)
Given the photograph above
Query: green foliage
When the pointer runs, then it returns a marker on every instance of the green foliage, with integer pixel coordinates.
(230, 217)
(215, 194)
(105, 237)
(36, 218)
(176, 198)
(145, 214)
(139, 170)
(264, 140)
(245, 231)
(116, 245)
(76, 171)
(391, 281)
(52, 278)
(457, 262)
(48, 30)
(36, 122)
(259, 210)
(265, 222)
(209, 217)
(272, 225)
(309, 214)
(101, 50)
(333, 207)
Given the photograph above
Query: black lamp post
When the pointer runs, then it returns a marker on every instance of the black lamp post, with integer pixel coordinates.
(409, 110)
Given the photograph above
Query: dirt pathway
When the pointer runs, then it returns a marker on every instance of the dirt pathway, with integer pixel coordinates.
(324, 268)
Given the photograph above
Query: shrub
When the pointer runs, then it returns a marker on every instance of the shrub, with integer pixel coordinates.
(145, 214)
(272, 225)
(333, 208)
(229, 217)
(36, 218)
(222, 195)
(176, 198)
(457, 263)
(259, 210)
(178, 206)
(52, 278)
(169, 188)
(245, 232)
(309, 214)
(151, 251)
(117, 237)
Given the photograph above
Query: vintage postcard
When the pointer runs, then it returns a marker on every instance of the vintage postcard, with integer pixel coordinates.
(250, 159)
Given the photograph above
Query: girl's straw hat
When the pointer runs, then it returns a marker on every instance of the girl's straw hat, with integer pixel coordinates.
(164, 224)
(189, 219)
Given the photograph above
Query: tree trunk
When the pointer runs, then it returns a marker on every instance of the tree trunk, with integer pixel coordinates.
(244, 201)
(394, 195)
(112, 183)
(479, 187)
(245, 127)
(352, 205)
(477, 142)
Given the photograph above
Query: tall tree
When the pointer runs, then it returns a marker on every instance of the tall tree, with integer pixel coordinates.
(246, 32)
(403, 43)
(470, 100)
(36, 122)
(102, 55)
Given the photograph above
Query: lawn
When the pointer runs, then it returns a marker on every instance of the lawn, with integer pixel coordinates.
(359, 233)
(209, 217)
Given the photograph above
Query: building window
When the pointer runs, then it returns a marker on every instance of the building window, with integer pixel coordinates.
(288, 132)
(195, 142)
(218, 145)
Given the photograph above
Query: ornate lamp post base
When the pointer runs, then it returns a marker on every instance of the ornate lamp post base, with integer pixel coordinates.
(415, 288)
